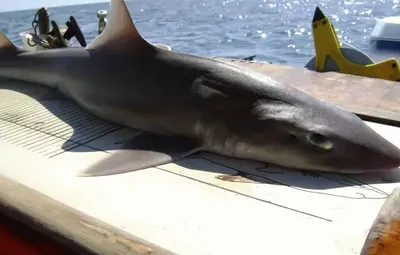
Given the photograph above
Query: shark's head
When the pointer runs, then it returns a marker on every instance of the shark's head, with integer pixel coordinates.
(270, 122)
(313, 135)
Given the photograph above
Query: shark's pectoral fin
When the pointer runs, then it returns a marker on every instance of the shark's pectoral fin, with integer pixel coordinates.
(144, 151)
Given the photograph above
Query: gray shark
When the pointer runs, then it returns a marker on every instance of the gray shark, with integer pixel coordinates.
(184, 104)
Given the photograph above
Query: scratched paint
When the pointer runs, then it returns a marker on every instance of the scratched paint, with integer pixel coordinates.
(235, 178)
(137, 247)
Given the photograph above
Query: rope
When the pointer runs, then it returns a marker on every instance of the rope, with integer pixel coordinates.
(35, 24)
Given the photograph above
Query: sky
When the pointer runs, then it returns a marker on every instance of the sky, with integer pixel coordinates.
(13, 5)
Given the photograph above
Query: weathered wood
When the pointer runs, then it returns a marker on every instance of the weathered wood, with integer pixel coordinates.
(18, 238)
(373, 100)
(78, 231)
(384, 235)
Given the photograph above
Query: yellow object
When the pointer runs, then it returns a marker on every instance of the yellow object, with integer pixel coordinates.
(327, 44)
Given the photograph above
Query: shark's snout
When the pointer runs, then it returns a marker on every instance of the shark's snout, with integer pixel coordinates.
(358, 148)
(383, 157)
(370, 152)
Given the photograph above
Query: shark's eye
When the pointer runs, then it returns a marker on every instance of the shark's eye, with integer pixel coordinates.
(320, 141)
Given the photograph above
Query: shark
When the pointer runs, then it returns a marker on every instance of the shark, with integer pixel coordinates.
(183, 104)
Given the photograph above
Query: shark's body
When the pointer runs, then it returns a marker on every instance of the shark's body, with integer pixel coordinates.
(188, 103)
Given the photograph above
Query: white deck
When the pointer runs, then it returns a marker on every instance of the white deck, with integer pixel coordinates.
(194, 206)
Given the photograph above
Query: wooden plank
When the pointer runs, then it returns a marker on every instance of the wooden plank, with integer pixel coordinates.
(18, 238)
(373, 100)
(384, 236)
(82, 233)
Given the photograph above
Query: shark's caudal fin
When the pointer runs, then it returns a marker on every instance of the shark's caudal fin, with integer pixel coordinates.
(6, 46)
(120, 34)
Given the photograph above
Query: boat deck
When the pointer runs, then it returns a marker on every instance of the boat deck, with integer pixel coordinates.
(204, 204)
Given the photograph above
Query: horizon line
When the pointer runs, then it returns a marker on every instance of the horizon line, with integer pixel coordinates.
(56, 6)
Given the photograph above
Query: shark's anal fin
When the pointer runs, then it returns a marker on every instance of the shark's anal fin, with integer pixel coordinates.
(143, 151)
(120, 33)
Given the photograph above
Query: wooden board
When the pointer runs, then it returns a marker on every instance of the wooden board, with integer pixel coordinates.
(372, 99)
(19, 238)
(76, 230)
(384, 236)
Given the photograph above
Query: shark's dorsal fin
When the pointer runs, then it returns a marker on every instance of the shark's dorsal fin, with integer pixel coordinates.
(5, 42)
(120, 33)
(7, 48)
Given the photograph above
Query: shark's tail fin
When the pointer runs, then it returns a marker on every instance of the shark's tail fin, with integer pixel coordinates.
(7, 47)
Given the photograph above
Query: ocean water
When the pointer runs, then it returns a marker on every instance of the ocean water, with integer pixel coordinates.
(275, 30)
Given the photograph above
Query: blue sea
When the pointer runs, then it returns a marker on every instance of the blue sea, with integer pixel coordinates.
(278, 31)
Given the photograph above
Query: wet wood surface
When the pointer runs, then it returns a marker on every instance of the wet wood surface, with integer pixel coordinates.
(373, 100)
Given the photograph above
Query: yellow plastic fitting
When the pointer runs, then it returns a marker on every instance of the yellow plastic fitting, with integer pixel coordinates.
(326, 44)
